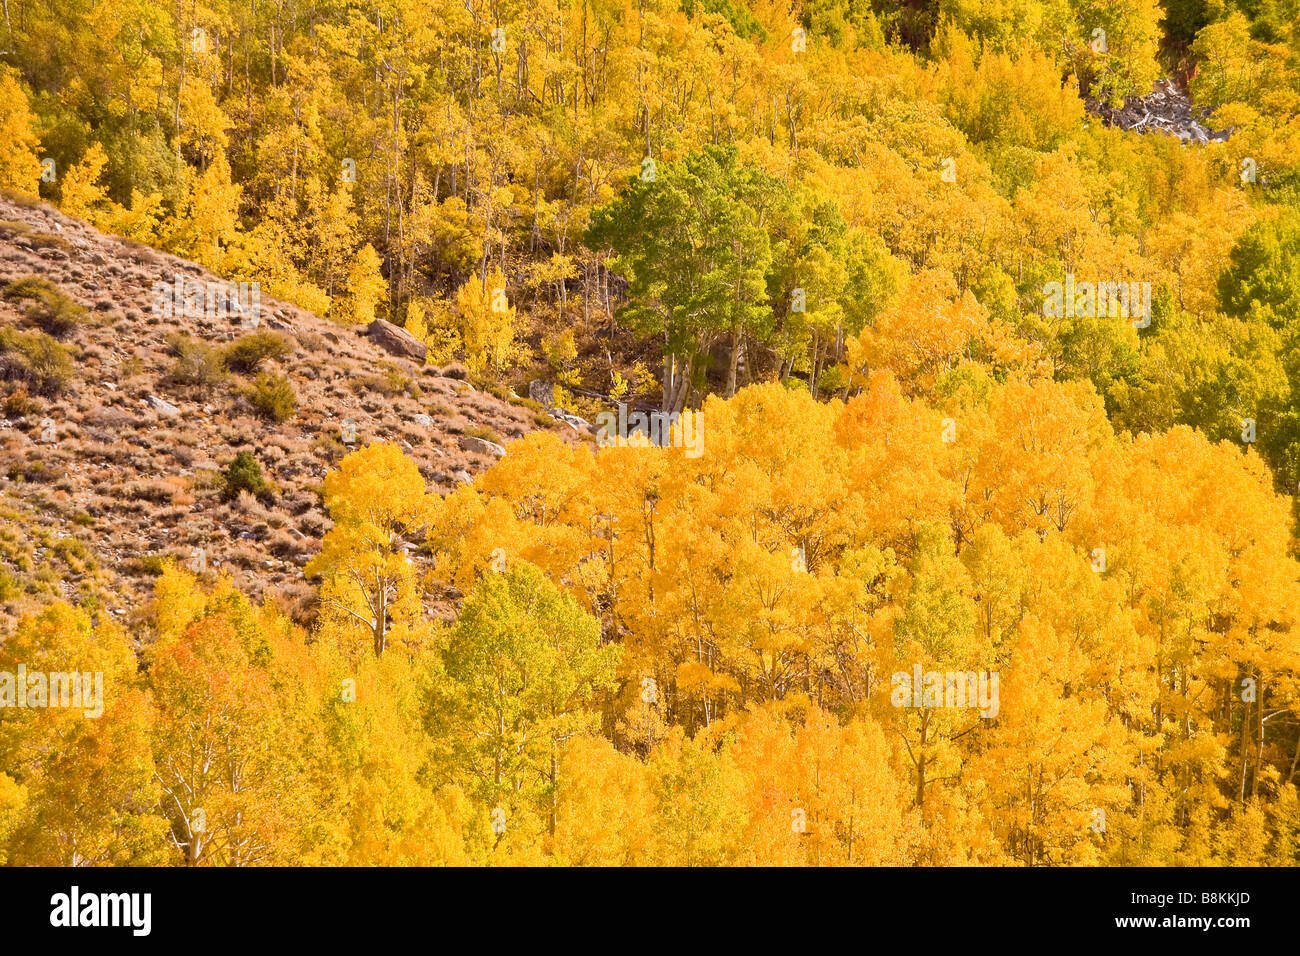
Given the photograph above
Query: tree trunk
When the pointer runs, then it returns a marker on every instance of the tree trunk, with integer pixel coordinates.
(555, 796)
(737, 344)
(920, 760)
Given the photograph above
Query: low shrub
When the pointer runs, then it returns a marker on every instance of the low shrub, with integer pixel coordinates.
(246, 354)
(243, 474)
(479, 431)
(272, 396)
(197, 362)
(35, 359)
(45, 305)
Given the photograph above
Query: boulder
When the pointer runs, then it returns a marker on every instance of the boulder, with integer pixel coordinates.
(480, 445)
(577, 423)
(542, 392)
(397, 340)
(163, 408)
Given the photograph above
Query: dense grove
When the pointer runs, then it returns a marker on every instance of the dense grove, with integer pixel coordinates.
(838, 231)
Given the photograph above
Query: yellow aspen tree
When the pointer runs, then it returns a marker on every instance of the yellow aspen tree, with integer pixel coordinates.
(375, 496)
(366, 288)
(80, 751)
(488, 322)
(20, 165)
(82, 194)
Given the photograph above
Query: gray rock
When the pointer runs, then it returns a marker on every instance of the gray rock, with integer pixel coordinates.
(480, 445)
(575, 422)
(397, 340)
(542, 392)
(163, 408)
(423, 420)
(463, 477)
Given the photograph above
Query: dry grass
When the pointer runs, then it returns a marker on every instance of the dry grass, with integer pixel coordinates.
(130, 478)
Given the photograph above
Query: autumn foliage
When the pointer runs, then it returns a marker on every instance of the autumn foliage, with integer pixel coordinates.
(826, 227)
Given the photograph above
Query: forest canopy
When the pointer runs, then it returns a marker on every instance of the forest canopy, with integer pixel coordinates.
(995, 397)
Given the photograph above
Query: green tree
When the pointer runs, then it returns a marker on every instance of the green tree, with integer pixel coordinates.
(693, 244)
(523, 669)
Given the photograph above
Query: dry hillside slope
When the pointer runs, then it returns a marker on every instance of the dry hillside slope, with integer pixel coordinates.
(124, 465)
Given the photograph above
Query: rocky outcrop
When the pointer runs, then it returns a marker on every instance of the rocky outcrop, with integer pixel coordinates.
(163, 407)
(542, 392)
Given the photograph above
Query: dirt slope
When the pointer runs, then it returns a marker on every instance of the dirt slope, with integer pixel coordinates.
(134, 471)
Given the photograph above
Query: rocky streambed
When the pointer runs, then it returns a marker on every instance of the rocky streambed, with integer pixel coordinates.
(1167, 109)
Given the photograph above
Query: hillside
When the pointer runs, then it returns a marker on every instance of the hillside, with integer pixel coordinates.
(134, 472)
